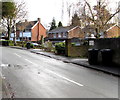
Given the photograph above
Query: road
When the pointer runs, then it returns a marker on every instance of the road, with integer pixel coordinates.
(28, 75)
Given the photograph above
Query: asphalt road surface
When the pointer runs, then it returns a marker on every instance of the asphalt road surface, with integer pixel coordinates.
(28, 75)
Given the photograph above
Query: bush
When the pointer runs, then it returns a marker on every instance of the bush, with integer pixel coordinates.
(73, 44)
(48, 46)
(60, 48)
(31, 45)
(60, 45)
(4, 42)
(19, 43)
(11, 43)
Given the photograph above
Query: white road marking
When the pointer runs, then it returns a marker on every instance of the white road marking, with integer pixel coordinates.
(66, 78)
(17, 55)
(31, 62)
(3, 65)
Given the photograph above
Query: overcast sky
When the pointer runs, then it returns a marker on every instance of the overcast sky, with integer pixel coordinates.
(47, 9)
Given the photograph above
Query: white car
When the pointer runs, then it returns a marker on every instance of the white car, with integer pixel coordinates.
(35, 44)
(2, 39)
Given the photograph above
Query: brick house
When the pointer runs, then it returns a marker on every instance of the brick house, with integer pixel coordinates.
(62, 33)
(112, 32)
(32, 31)
(88, 30)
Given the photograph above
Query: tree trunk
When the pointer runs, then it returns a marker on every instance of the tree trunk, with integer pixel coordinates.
(8, 28)
(22, 39)
(9, 21)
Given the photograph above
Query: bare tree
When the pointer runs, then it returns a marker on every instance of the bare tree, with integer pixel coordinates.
(21, 26)
(19, 13)
(98, 15)
(69, 11)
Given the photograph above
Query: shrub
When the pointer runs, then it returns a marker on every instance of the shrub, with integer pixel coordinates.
(11, 43)
(60, 48)
(31, 45)
(60, 45)
(48, 46)
(19, 43)
(4, 42)
(73, 44)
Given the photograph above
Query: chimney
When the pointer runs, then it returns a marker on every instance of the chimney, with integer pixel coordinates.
(39, 19)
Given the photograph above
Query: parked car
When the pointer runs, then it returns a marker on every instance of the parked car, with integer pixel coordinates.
(2, 39)
(35, 44)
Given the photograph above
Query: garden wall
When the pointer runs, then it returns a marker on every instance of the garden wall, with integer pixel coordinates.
(76, 51)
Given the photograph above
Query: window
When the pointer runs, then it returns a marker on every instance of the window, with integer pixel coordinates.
(29, 38)
(64, 35)
(54, 35)
(59, 35)
(27, 30)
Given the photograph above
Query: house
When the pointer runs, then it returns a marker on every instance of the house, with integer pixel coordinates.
(3, 35)
(112, 32)
(88, 30)
(91, 30)
(29, 31)
(62, 33)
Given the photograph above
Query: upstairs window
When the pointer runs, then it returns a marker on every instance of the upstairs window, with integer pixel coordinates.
(54, 35)
(64, 35)
(59, 35)
(27, 30)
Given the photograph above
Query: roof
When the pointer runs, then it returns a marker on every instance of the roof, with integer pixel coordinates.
(26, 24)
(88, 29)
(62, 29)
(112, 27)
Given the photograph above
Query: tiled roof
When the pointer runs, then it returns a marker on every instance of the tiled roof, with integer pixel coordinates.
(112, 27)
(61, 29)
(88, 29)
(26, 25)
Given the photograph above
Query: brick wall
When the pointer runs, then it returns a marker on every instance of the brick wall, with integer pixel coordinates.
(42, 31)
(113, 32)
(76, 33)
(34, 33)
(76, 51)
(37, 32)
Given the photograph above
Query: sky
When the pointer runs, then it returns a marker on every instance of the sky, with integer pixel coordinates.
(47, 9)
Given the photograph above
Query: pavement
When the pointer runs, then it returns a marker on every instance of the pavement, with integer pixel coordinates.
(113, 70)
